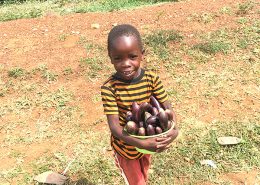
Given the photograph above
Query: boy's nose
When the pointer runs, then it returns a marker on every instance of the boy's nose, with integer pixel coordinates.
(127, 63)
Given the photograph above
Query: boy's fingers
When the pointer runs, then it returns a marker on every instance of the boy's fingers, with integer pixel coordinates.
(163, 149)
(165, 141)
(160, 139)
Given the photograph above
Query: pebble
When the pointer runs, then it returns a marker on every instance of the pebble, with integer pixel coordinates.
(95, 26)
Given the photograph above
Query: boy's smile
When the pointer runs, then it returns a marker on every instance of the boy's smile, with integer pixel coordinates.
(126, 56)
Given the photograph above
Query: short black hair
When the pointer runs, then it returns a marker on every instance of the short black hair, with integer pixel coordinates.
(123, 30)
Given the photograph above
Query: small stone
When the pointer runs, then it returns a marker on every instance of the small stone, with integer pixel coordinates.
(115, 24)
(95, 26)
(256, 50)
(187, 159)
(150, 171)
(34, 29)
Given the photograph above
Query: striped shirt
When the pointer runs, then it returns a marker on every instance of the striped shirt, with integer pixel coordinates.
(118, 96)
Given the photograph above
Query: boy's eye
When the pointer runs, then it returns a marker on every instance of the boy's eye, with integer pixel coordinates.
(117, 58)
(133, 56)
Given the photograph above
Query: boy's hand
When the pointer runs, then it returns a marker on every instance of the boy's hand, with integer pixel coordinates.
(164, 142)
(159, 144)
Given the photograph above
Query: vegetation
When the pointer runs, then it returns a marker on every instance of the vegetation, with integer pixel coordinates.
(17, 9)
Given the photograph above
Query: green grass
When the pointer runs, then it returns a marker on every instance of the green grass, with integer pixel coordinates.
(202, 18)
(244, 8)
(11, 10)
(200, 143)
(16, 72)
(159, 42)
(212, 47)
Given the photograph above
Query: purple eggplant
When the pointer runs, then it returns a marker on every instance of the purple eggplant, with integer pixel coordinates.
(131, 127)
(141, 131)
(152, 120)
(135, 112)
(158, 130)
(170, 114)
(163, 119)
(150, 130)
(155, 103)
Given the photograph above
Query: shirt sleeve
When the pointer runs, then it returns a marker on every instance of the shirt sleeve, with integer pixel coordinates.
(158, 90)
(109, 101)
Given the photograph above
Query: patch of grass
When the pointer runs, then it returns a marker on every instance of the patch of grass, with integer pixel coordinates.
(16, 72)
(57, 99)
(212, 47)
(49, 76)
(11, 10)
(11, 173)
(18, 11)
(94, 65)
(199, 142)
(159, 41)
(110, 5)
(244, 8)
(202, 18)
(226, 10)
(63, 37)
(67, 71)
(23, 103)
(95, 62)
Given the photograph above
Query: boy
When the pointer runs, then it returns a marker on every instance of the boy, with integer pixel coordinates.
(131, 84)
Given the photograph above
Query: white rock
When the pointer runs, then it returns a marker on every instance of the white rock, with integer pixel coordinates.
(95, 26)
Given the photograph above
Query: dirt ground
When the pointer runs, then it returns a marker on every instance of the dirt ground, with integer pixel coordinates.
(28, 43)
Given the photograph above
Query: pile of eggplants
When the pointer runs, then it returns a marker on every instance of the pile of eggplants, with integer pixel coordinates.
(148, 119)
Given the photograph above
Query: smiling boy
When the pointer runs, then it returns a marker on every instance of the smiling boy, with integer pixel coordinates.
(129, 84)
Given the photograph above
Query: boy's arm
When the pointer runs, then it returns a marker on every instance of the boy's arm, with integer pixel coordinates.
(118, 131)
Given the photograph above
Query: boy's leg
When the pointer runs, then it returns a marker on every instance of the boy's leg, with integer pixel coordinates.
(145, 162)
(133, 171)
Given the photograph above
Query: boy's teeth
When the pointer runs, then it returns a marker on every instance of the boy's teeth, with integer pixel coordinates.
(127, 72)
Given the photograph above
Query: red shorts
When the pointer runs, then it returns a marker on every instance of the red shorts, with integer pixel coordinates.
(134, 172)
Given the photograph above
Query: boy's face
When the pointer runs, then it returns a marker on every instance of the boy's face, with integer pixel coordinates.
(126, 56)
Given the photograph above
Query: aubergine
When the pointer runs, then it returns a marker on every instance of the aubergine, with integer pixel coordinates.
(131, 127)
(170, 114)
(146, 116)
(158, 130)
(154, 111)
(144, 107)
(150, 130)
(141, 131)
(135, 110)
(155, 103)
(129, 113)
(163, 119)
(169, 125)
(153, 120)
(129, 116)
(141, 124)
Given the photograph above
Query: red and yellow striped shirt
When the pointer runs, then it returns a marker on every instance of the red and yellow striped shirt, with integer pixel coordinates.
(118, 96)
